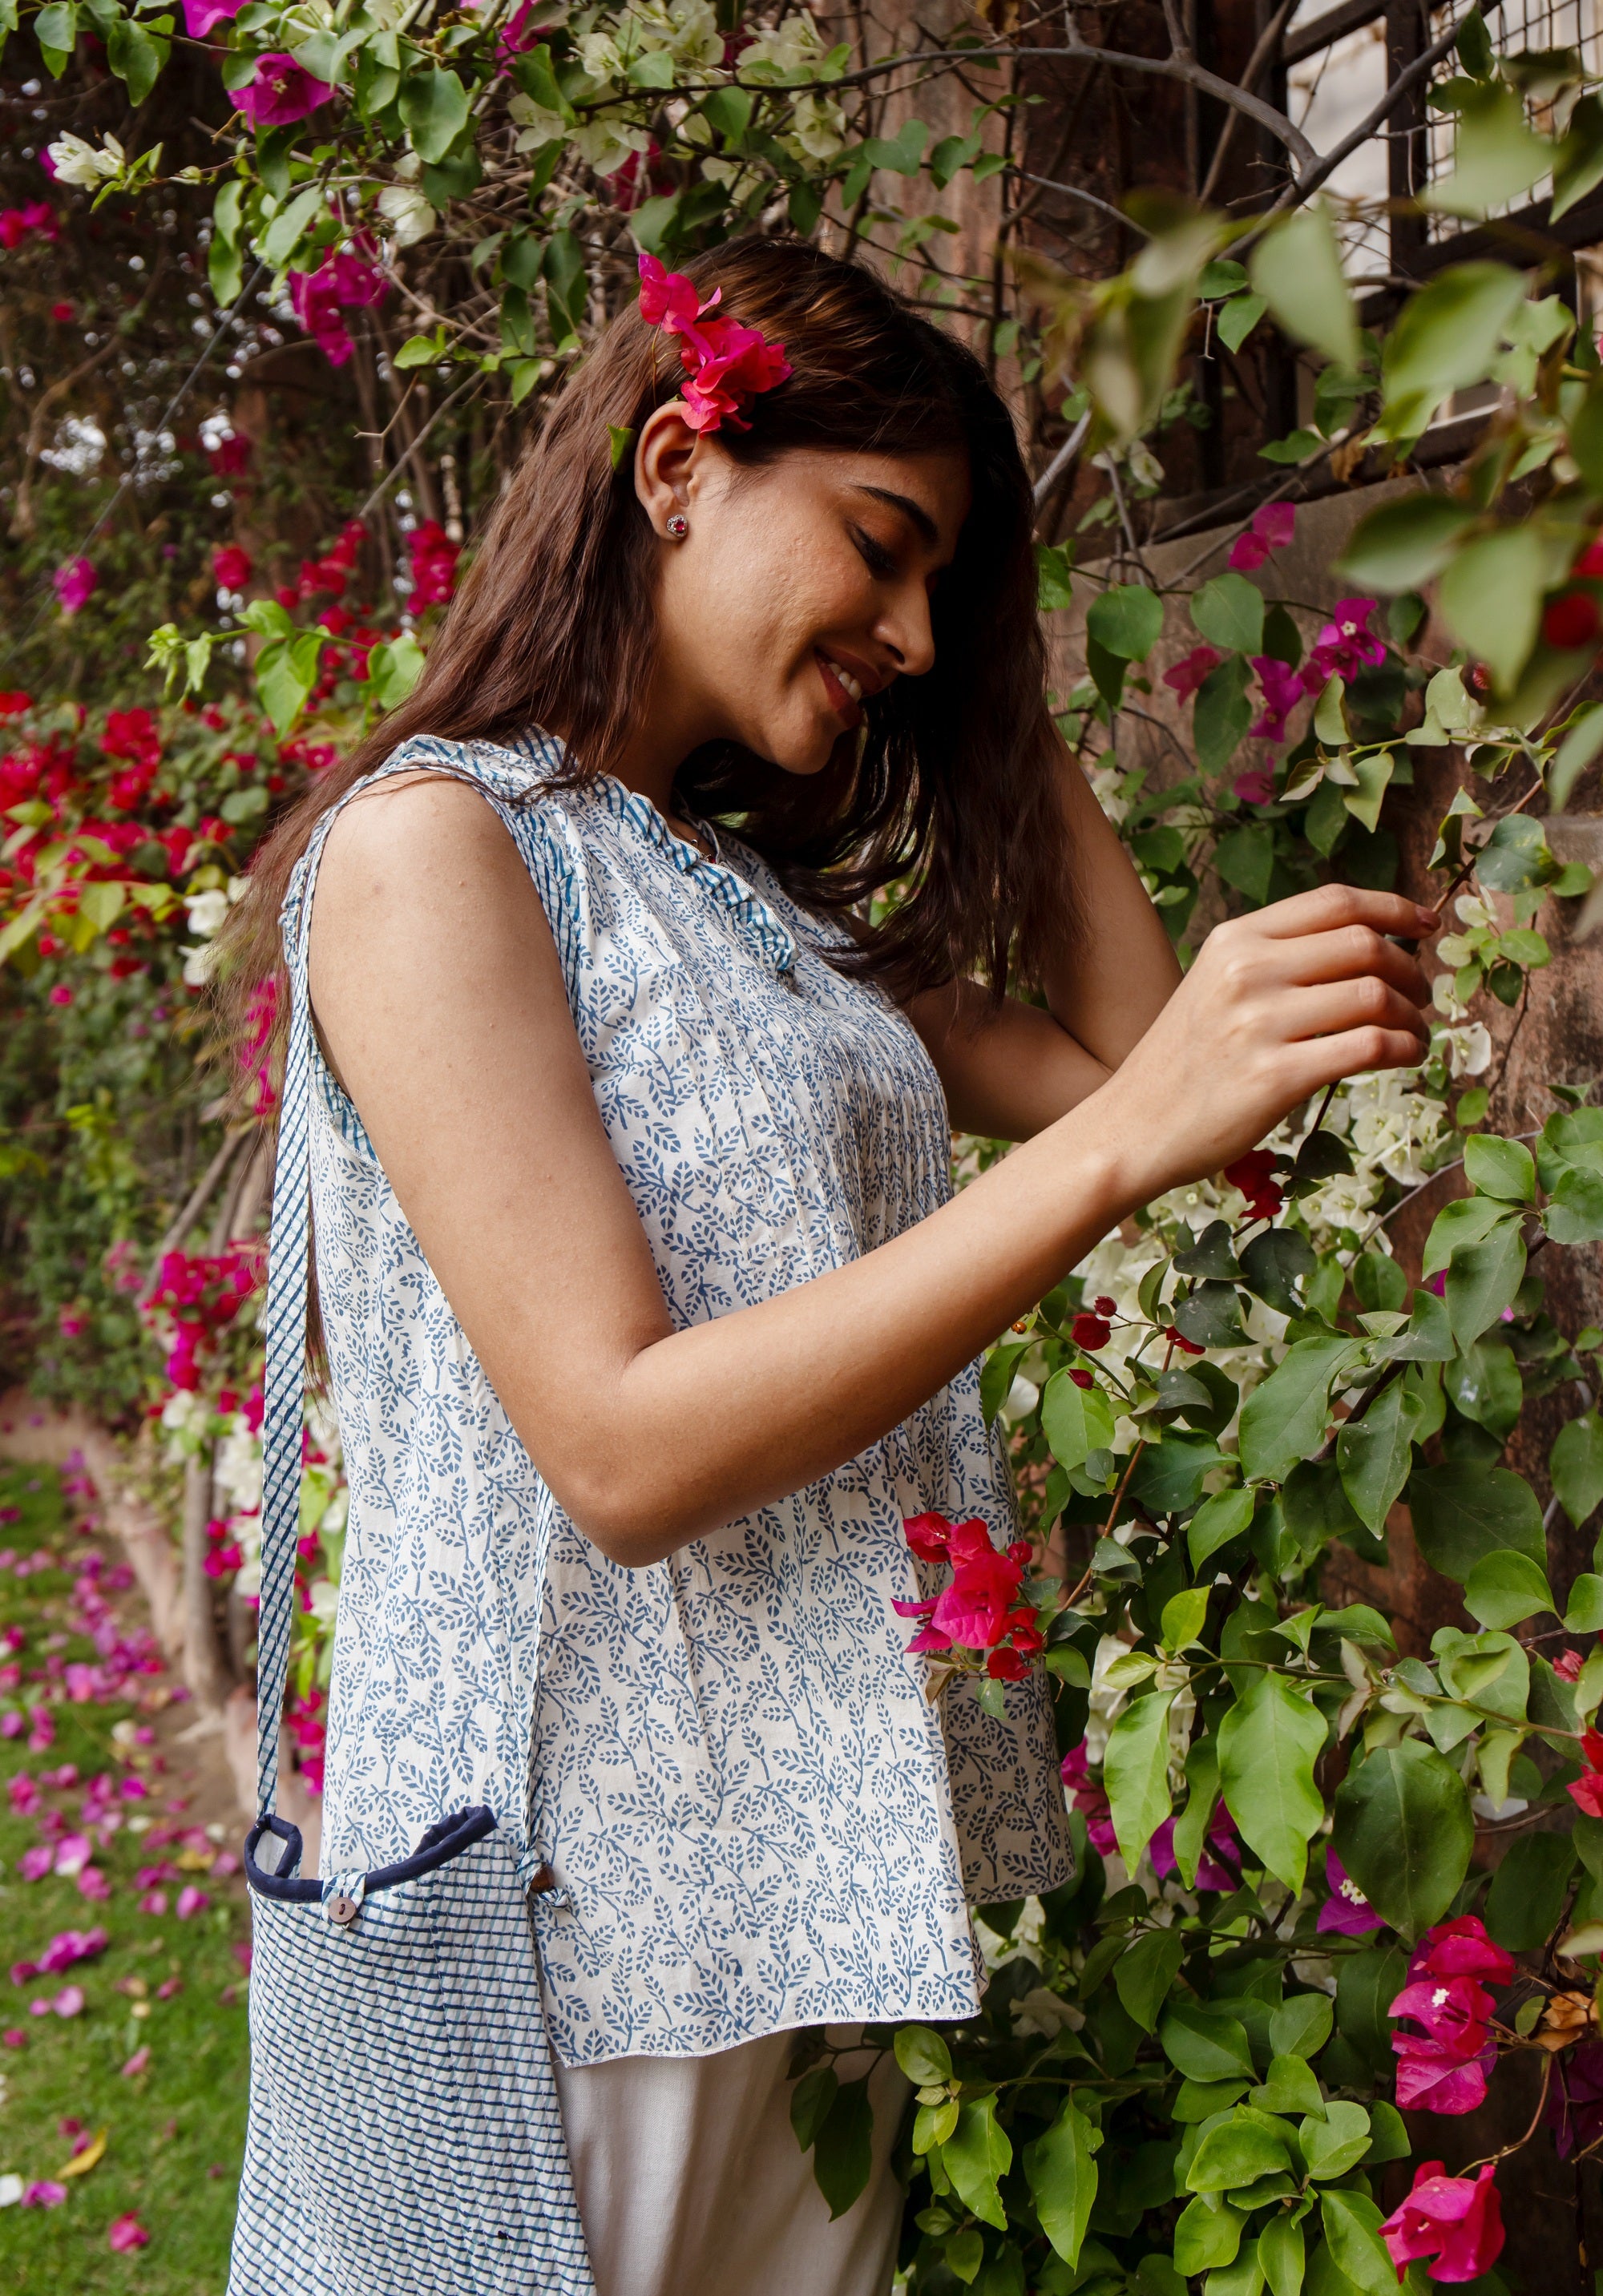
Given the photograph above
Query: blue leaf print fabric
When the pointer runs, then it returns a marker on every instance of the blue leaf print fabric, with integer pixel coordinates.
(755, 1819)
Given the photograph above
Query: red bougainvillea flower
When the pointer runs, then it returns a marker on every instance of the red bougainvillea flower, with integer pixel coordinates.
(16, 223)
(1091, 1332)
(980, 1611)
(1587, 1792)
(926, 1535)
(1176, 1339)
(1456, 2220)
(1453, 2010)
(1460, 1949)
(669, 299)
(1283, 689)
(13, 705)
(1567, 1666)
(1347, 1910)
(1271, 529)
(75, 583)
(727, 365)
(1082, 1378)
(1570, 622)
(1254, 787)
(232, 567)
(281, 93)
(1253, 1175)
(1590, 564)
(341, 282)
(434, 557)
(1187, 675)
(127, 2232)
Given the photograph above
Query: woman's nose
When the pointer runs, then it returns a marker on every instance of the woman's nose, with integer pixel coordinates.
(906, 630)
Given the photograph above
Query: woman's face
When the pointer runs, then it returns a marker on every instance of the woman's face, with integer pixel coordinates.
(802, 587)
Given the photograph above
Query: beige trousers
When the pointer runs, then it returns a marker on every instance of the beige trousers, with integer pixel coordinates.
(691, 2182)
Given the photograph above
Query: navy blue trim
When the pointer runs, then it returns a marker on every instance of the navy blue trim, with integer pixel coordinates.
(442, 1842)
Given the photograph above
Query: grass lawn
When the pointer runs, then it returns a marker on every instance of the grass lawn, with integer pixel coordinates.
(174, 2130)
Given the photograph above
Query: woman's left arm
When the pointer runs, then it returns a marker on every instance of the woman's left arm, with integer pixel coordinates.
(1011, 1071)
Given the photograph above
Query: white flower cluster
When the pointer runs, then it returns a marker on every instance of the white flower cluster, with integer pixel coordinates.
(77, 162)
(206, 911)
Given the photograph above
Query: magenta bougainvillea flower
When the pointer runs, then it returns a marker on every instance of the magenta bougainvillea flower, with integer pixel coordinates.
(281, 93)
(1090, 1802)
(980, 1611)
(1347, 1910)
(727, 365)
(341, 282)
(127, 2232)
(1443, 2068)
(201, 16)
(1188, 673)
(1345, 645)
(232, 566)
(1256, 786)
(1283, 689)
(1271, 529)
(1456, 2220)
(75, 583)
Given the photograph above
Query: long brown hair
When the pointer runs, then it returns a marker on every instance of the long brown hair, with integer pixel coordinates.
(955, 789)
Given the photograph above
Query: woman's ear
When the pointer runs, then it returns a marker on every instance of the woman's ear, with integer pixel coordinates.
(665, 467)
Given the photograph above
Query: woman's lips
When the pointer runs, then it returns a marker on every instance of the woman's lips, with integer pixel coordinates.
(845, 704)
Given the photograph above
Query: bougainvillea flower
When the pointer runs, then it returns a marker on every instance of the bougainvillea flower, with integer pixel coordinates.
(1587, 1791)
(1271, 529)
(1567, 1666)
(1283, 689)
(926, 1535)
(75, 583)
(43, 2193)
(433, 556)
(973, 1609)
(1253, 1175)
(1212, 1870)
(1456, 2220)
(1570, 620)
(341, 282)
(1434, 2078)
(200, 16)
(1090, 1800)
(282, 93)
(1453, 2010)
(1460, 1949)
(668, 299)
(232, 567)
(13, 705)
(1345, 645)
(1574, 2106)
(1347, 1910)
(727, 365)
(127, 2232)
(1091, 1332)
(69, 2002)
(1187, 675)
(1254, 787)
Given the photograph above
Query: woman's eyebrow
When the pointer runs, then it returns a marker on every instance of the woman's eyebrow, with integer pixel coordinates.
(914, 513)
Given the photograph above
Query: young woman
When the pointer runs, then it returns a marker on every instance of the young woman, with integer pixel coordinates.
(649, 1312)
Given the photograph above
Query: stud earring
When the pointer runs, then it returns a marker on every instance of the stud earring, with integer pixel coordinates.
(678, 527)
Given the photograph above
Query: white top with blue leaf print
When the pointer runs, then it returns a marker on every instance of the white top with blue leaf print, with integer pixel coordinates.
(755, 1818)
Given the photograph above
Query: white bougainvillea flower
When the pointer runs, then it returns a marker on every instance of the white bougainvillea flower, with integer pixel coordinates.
(818, 128)
(77, 162)
(538, 124)
(606, 139)
(407, 212)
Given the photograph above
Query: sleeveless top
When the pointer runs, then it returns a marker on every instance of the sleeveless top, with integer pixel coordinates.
(755, 1818)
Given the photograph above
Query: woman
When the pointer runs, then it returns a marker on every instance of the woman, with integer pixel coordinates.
(649, 1314)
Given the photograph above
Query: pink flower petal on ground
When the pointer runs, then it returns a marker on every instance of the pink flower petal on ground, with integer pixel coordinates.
(92, 1883)
(155, 1901)
(69, 2001)
(45, 2192)
(138, 2063)
(73, 1853)
(14, 2037)
(192, 1902)
(127, 2232)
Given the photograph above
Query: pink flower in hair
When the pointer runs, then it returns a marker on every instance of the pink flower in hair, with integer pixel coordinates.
(727, 365)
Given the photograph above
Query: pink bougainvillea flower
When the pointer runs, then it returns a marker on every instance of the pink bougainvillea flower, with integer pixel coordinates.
(1456, 2220)
(203, 16)
(1431, 2078)
(14, 2037)
(43, 2193)
(34, 1863)
(1347, 1910)
(1254, 787)
(73, 1853)
(153, 1901)
(1271, 529)
(1453, 2010)
(93, 1883)
(75, 583)
(344, 282)
(70, 1945)
(281, 93)
(1283, 689)
(69, 2002)
(1345, 645)
(433, 556)
(138, 2063)
(727, 365)
(190, 1901)
(1187, 675)
(127, 2232)
(1567, 1666)
(669, 299)
(926, 1535)
(1460, 1949)
(1212, 1869)
(973, 1610)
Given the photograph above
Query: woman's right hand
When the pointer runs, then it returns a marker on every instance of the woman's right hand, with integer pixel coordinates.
(1278, 1005)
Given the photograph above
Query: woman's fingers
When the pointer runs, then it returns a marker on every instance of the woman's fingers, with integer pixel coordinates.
(1350, 953)
(1340, 1005)
(1355, 1052)
(1328, 907)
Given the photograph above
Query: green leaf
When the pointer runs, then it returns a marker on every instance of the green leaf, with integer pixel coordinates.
(1221, 714)
(810, 2100)
(1239, 318)
(1244, 857)
(419, 350)
(1217, 1521)
(1491, 598)
(1060, 2171)
(286, 674)
(1525, 1901)
(1336, 2143)
(290, 225)
(1462, 1514)
(1482, 1280)
(1235, 2154)
(567, 288)
(1505, 1168)
(1352, 2232)
(1204, 2042)
(1445, 339)
(1228, 612)
(1280, 2256)
(1577, 751)
(393, 669)
(1054, 586)
(1283, 1420)
(976, 2157)
(1575, 1215)
(136, 56)
(1583, 1611)
(1268, 1744)
(1404, 1833)
(433, 104)
(1576, 1466)
(923, 2056)
(1076, 1421)
(1373, 1454)
(1297, 269)
(1273, 1264)
(1506, 1587)
(1301, 2027)
(1404, 543)
(1135, 1772)
(1183, 1616)
(1291, 2086)
(1495, 156)
(1191, 1826)
(620, 440)
(1143, 1975)
(1206, 2236)
(1126, 620)
(842, 2150)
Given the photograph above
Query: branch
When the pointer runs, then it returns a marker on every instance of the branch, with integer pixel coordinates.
(1269, 42)
(1074, 191)
(1061, 460)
